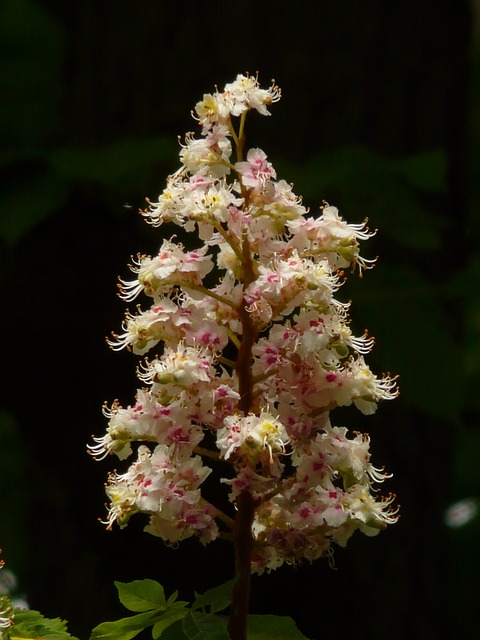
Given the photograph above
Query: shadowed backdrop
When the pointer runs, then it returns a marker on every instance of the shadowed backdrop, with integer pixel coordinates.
(379, 116)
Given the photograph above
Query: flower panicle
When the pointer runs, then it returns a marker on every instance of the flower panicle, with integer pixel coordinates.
(253, 352)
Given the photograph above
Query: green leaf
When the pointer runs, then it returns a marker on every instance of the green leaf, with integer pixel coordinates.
(204, 626)
(114, 163)
(172, 598)
(32, 624)
(217, 598)
(114, 633)
(175, 632)
(24, 206)
(141, 595)
(268, 627)
(426, 171)
(147, 597)
(169, 618)
(125, 628)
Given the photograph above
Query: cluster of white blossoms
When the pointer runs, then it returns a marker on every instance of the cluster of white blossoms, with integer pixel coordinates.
(252, 353)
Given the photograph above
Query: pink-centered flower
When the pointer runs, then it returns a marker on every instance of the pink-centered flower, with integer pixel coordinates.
(256, 171)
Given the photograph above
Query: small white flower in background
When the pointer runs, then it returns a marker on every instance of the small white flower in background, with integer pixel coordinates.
(461, 512)
(252, 354)
(9, 587)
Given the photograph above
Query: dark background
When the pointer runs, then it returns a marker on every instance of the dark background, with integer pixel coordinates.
(380, 116)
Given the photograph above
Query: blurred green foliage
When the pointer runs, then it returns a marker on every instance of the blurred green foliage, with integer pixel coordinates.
(14, 481)
(402, 306)
(39, 172)
(32, 50)
(386, 189)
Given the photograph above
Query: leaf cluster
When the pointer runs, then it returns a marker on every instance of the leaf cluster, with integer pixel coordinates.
(172, 619)
(32, 624)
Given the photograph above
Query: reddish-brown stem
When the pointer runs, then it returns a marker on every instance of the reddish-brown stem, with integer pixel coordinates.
(242, 529)
(243, 541)
(249, 335)
(245, 503)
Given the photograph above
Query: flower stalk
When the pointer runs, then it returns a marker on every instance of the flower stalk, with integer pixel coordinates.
(297, 484)
(244, 542)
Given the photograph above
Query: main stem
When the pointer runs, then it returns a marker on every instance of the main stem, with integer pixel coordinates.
(243, 541)
(242, 530)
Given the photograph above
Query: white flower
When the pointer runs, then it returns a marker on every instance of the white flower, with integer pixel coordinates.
(146, 329)
(183, 367)
(245, 93)
(251, 435)
(256, 171)
(171, 266)
(237, 97)
(209, 155)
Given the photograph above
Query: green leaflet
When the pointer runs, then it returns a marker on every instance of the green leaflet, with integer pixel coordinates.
(203, 626)
(125, 628)
(217, 598)
(268, 627)
(32, 624)
(174, 632)
(141, 595)
(166, 622)
(148, 598)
